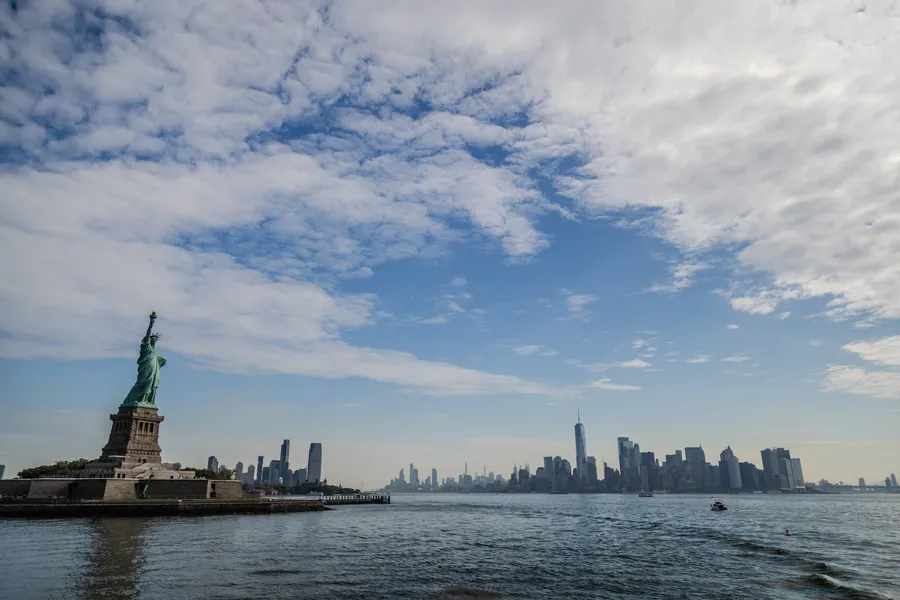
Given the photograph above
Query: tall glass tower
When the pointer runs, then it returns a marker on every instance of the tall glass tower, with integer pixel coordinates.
(314, 464)
(580, 449)
(285, 457)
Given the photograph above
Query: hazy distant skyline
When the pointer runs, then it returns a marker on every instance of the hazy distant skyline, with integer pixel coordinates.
(428, 232)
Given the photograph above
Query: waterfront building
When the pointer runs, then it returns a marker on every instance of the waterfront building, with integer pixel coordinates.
(250, 475)
(314, 463)
(284, 461)
(299, 476)
(580, 450)
(750, 479)
(629, 463)
(729, 470)
(239, 471)
(434, 479)
(264, 476)
(2, 471)
(212, 464)
(862, 482)
(797, 470)
(176, 466)
(777, 469)
(259, 469)
(274, 472)
(548, 468)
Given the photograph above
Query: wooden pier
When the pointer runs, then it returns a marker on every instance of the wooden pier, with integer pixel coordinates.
(341, 500)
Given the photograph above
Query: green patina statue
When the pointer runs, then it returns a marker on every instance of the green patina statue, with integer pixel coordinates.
(143, 393)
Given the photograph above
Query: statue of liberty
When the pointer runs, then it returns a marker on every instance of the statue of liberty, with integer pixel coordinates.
(143, 393)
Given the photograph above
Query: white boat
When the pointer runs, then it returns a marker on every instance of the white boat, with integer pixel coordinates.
(717, 505)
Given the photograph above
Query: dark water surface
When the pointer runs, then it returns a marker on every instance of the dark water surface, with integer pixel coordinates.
(517, 546)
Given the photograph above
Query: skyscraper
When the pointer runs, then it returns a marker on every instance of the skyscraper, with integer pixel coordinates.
(730, 470)
(580, 450)
(435, 484)
(239, 471)
(862, 482)
(2, 471)
(548, 468)
(259, 469)
(274, 472)
(893, 480)
(285, 457)
(212, 464)
(798, 473)
(314, 464)
(250, 477)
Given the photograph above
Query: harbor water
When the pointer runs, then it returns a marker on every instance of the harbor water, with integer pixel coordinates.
(506, 545)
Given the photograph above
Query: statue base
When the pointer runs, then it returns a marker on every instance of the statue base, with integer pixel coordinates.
(132, 451)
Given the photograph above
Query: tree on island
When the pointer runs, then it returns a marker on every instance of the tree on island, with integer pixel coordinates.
(48, 470)
(222, 473)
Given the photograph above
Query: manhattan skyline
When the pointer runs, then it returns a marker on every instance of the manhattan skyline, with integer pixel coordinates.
(364, 229)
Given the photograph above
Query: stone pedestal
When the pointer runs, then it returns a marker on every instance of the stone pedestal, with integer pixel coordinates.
(132, 451)
(134, 436)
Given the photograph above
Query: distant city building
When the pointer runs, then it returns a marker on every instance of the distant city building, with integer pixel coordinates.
(239, 471)
(250, 475)
(729, 470)
(314, 464)
(749, 477)
(434, 479)
(2, 471)
(264, 477)
(299, 476)
(259, 469)
(777, 469)
(212, 464)
(402, 477)
(629, 463)
(285, 457)
(893, 480)
(580, 450)
(592, 474)
(548, 468)
(694, 455)
(176, 466)
(274, 472)
(862, 482)
(797, 471)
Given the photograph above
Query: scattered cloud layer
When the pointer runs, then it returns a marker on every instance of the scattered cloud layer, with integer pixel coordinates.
(230, 166)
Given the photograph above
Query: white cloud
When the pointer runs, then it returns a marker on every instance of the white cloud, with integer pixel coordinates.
(639, 343)
(607, 384)
(577, 303)
(784, 315)
(435, 320)
(854, 380)
(737, 358)
(815, 342)
(733, 326)
(884, 351)
(682, 276)
(754, 306)
(635, 363)
(702, 358)
(459, 282)
(526, 350)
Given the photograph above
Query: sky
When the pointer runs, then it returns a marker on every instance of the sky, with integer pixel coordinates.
(432, 232)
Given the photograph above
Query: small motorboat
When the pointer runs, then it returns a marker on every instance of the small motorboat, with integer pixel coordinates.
(717, 505)
(643, 494)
